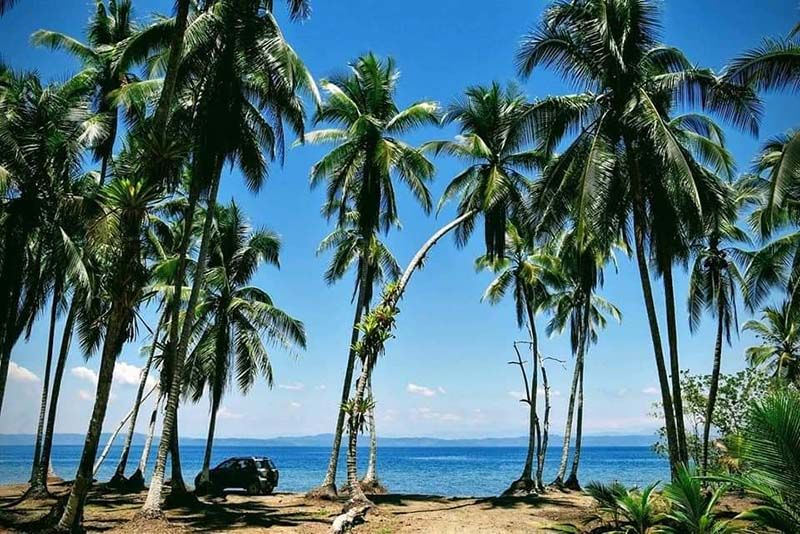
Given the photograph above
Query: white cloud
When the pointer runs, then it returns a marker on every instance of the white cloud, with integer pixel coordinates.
(427, 413)
(321, 387)
(650, 390)
(295, 386)
(441, 390)
(125, 373)
(85, 395)
(84, 373)
(420, 390)
(18, 373)
(295, 404)
(517, 394)
(225, 413)
(553, 393)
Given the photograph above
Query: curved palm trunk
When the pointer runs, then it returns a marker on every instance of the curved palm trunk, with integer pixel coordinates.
(219, 378)
(39, 482)
(148, 442)
(652, 318)
(572, 481)
(119, 474)
(328, 487)
(562, 466)
(152, 505)
(714, 386)
(544, 432)
(51, 335)
(212, 424)
(675, 367)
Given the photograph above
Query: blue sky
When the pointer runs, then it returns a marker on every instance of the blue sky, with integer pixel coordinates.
(446, 373)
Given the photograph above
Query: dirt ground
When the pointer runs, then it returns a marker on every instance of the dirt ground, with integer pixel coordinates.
(111, 512)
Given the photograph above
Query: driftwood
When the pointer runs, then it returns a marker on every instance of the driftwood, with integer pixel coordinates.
(346, 521)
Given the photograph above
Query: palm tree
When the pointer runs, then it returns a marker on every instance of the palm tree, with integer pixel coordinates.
(5, 5)
(380, 265)
(360, 172)
(233, 316)
(495, 129)
(237, 69)
(115, 44)
(118, 237)
(624, 144)
(575, 303)
(779, 332)
(713, 282)
(528, 274)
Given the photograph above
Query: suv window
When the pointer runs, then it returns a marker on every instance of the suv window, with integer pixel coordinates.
(227, 464)
(243, 464)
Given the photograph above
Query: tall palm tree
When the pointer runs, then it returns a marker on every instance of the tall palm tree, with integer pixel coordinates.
(611, 49)
(713, 283)
(115, 44)
(126, 200)
(368, 157)
(233, 317)
(495, 131)
(574, 303)
(5, 5)
(529, 275)
(779, 332)
(237, 70)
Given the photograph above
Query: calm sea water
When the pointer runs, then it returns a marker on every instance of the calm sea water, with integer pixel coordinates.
(451, 471)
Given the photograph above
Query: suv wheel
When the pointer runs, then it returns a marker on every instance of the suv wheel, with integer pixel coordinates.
(254, 489)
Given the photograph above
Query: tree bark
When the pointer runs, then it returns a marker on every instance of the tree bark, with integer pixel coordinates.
(545, 430)
(178, 491)
(572, 481)
(675, 367)
(357, 497)
(562, 466)
(51, 336)
(148, 442)
(205, 473)
(652, 318)
(714, 386)
(171, 75)
(119, 474)
(152, 505)
(328, 487)
(39, 483)
(370, 481)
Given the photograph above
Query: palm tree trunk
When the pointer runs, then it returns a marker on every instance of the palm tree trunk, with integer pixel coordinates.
(714, 386)
(51, 336)
(72, 516)
(177, 486)
(119, 474)
(572, 481)
(357, 496)
(109, 146)
(652, 318)
(328, 487)
(205, 473)
(148, 442)
(532, 396)
(167, 96)
(545, 430)
(39, 482)
(675, 368)
(152, 505)
(562, 466)
(370, 482)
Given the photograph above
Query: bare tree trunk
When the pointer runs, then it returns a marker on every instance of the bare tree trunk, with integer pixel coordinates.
(137, 478)
(117, 430)
(327, 489)
(524, 485)
(152, 505)
(545, 431)
(39, 482)
(119, 474)
(675, 367)
(652, 318)
(714, 386)
(51, 336)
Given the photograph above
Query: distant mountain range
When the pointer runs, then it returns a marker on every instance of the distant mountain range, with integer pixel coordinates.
(324, 440)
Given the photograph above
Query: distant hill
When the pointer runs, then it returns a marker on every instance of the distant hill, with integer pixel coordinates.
(324, 440)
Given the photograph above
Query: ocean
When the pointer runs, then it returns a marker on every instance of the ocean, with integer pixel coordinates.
(449, 471)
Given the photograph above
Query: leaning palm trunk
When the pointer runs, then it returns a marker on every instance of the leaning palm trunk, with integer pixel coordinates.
(148, 442)
(113, 436)
(714, 386)
(544, 432)
(572, 481)
(119, 474)
(152, 505)
(370, 483)
(647, 292)
(204, 479)
(371, 348)
(51, 335)
(675, 368)
(39, 482)
(327, 489)
(562, 466)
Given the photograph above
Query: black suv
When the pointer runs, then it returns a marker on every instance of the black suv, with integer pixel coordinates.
(255, 475)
